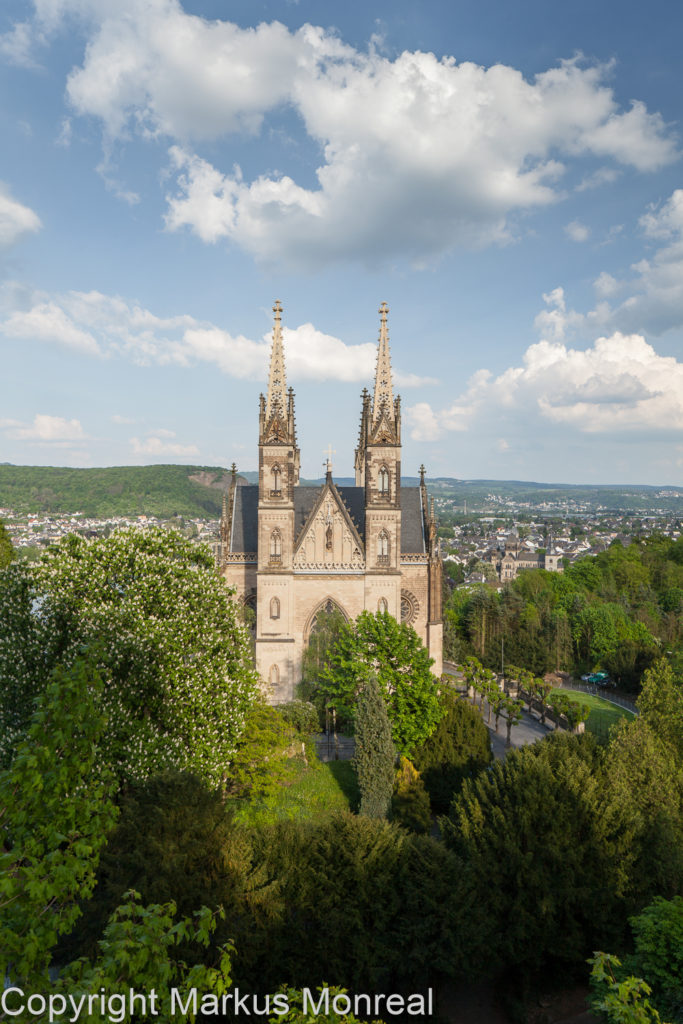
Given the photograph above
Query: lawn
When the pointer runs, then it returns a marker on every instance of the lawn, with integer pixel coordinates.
(603, 715)
(314, 793)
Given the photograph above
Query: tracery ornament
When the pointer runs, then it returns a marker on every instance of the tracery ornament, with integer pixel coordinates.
(409, 607)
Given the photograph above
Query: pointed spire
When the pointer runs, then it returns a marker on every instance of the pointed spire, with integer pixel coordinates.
(384, 396)
(277, 382)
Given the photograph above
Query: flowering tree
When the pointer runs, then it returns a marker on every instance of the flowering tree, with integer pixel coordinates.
(159, 625)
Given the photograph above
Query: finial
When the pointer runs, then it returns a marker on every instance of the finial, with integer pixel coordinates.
(422, 476)
(277, 309)
(233, 469)
(383, 310)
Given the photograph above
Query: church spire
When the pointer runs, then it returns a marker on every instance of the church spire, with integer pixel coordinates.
(276, 402)
(384, 395)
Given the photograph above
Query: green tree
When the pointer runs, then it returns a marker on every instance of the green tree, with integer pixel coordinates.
(410, 801)
(458, 749)
(379, 645)
(621, 1002)
(661, 704)
(174, 662)
(658, 956)
(375, 753)
(7, 553)
(546, 851)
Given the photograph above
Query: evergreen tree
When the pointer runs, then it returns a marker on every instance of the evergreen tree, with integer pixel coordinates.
(458, 749)
(410, 802)
(375, 754)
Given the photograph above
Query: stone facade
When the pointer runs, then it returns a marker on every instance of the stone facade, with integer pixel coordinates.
(291, 551)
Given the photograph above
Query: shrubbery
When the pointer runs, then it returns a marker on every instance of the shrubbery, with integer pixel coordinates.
(458, 749)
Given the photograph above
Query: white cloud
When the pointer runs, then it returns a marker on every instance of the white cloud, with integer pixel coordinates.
(577, 231)
(124, 420)
(15, 219)
(556, 320)
(108, 326)
(418, 154)
(159, 444)
(619, 385)
(45, 429)
(603, 176)
(17, 46)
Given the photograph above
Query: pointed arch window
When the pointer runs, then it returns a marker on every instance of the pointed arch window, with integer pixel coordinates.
(383, 481)
(274, 675)
(275, 607)
(383, 548)
(382, 606)
(276, 546)
(276, 481)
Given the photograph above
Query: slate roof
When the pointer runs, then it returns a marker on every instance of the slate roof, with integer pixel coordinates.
(245, 516)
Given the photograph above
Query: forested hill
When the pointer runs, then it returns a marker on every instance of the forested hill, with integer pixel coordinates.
(117, 490)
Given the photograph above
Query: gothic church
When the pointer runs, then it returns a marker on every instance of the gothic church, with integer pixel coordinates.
(292, 551)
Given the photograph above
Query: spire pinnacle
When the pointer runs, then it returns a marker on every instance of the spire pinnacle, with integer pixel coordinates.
(277, 382)
(384, 396)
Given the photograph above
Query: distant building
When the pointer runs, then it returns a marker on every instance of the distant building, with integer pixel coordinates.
(293, 552)
(516, 557)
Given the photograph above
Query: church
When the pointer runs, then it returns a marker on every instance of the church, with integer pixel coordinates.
(292, 551)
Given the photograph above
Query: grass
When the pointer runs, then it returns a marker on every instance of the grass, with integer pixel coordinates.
(603, 714)
(313, 793)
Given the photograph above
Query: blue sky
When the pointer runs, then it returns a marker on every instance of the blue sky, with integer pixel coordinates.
(507, 177)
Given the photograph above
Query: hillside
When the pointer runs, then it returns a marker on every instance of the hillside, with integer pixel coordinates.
(117, 490)
(198, 490)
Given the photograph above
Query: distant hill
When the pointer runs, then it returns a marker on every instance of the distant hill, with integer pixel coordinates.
(118, 490)
(198, 491)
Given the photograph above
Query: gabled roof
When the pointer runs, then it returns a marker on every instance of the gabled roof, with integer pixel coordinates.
(245, 515)
(328, 488)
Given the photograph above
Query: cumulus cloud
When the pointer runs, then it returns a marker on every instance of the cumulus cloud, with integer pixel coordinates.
(160, 443)
(577, 231)
(556, 320)
(44, 429)
(618, 385)
(418, 153)
(16, 219)
(109, 327)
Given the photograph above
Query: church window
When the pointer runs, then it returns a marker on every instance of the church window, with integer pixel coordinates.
(409, 607)
(382, 605)
(275, 608)
(276, 476)
(274, 675)
(383, 548)
(276, 546)
(384, 480)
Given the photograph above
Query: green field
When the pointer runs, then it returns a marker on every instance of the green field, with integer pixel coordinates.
(603, 715)
(313, 794)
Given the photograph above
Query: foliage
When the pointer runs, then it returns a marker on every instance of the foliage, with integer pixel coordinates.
(375, 753)
(622, 1002)
(298, 1013)
(658, 935)
(547, 851)
(315, 794)
(661, 704)
(410, 801)
(175, 841)
(119, 490)
(371, 905)
(458, 749)
(300, 714)
(612, 609)
(139, 952)
(264, 753)
(7, 552)
(573, 710)
(173, 660)
(395, 654)
(324, 634)
(55, 812)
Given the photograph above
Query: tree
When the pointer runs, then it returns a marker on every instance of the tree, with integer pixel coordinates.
(375, 754)
(458, 749)
(55, 811)
(379, 645)
(513, 709)
(410, 802)
(546, 850)
(163, 631)
(622, 1002)
(658, 956)
(7, 553)
(661, 704)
